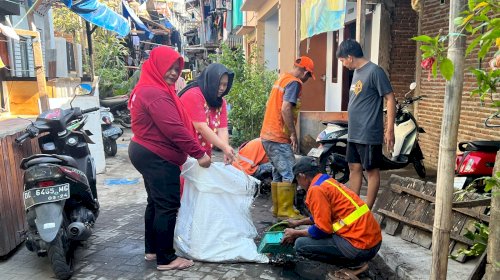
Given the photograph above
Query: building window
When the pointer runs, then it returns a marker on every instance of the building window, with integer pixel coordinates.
(70, 57)
(25, 65)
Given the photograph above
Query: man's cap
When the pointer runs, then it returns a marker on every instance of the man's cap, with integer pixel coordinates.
(306, 63)
(304, 165)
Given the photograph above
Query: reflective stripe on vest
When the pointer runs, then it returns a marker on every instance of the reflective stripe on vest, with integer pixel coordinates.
(351, 218)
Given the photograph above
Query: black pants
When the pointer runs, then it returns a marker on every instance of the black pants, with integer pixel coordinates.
(161, 179)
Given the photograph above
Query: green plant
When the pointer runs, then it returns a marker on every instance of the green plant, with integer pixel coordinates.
(248, 96)
(109, 58)
(481, 21)
(109, 50)
(480, 239)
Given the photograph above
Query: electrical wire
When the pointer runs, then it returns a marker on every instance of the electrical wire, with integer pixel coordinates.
(27, 13)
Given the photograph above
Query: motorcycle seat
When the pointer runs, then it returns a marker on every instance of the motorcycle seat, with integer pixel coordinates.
(45, 158)
(484, 146)
(112, 102)
(339, 123)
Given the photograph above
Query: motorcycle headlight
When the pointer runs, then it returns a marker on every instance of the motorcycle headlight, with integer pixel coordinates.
(42, 173)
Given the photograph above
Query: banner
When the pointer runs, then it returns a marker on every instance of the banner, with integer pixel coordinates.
(318, 16)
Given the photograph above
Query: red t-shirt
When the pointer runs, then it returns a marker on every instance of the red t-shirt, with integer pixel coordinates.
(197, 108)
(158, 127)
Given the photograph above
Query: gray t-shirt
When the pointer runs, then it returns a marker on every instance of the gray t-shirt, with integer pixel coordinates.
(292, 92)
(366, 101)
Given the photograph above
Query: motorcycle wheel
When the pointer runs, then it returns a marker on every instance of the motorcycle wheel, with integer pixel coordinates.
(125, 123)
(419, 167)
(110, 148)
(326, 166)
(60, 257)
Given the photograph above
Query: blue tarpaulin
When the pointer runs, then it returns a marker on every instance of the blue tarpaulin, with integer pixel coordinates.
(129, 13)
(100, 15)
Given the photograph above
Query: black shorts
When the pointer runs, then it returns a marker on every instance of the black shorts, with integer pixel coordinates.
(370, 156)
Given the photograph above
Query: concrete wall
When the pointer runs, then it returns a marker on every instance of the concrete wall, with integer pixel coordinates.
(310, 124)
(93, 124)
(287, 35)
(271, 49)
(61, 61)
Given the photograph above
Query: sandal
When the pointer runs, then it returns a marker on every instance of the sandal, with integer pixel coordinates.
(150, 257)
(177, 264)
(348, 274)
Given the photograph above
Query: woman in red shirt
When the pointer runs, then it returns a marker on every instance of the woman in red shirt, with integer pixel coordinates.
(163, 138)
(204, 102)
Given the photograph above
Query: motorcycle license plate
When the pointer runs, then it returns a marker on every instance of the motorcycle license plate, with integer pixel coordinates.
(112, 131)
(43, 195)
(459, 182)
(315, 152)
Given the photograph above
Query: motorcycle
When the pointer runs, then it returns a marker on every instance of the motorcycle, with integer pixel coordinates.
(118, 107)
(475, 161)
(333, 144)
(109, 132)
(60, 195)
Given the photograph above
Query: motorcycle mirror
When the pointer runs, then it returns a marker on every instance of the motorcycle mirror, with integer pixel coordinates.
(413, 86)
(83, 89)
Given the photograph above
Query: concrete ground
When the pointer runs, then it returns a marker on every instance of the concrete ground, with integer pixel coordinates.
(116, 249)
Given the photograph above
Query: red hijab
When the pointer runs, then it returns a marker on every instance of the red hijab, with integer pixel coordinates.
(153, 69)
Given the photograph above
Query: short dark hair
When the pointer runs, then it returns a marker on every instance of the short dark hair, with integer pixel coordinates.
(349, 47)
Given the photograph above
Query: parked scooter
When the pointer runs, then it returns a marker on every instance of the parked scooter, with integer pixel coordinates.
(60, 195)
(118, 107)
(476, 160)
(333, 144)
(109, 132)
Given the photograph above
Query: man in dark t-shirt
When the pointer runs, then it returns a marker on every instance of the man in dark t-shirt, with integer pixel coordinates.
(369, 87)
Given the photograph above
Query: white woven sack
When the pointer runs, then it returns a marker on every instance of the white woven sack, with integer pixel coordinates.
(214, 222)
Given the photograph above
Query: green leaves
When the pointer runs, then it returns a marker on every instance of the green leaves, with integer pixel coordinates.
(423, 38)
(248, 95)
(446, 68)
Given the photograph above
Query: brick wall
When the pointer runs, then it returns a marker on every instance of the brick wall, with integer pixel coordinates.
(403, 50)
(430, 109)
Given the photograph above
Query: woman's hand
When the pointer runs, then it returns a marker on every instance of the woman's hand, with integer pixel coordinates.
(205, 161)
(229, 155)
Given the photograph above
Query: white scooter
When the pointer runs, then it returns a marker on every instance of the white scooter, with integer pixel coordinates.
(333, 143)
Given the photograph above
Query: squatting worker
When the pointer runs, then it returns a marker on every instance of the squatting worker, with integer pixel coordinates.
(279, 137)
(370, 86)
(163, 138)
(342, 228)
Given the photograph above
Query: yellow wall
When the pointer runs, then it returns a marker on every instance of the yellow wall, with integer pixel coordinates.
(287, 35)
(23, 97)
(287, 31)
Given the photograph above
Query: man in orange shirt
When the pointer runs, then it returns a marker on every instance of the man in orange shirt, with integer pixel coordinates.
(342, 231)
(252, 159)
(279, 137)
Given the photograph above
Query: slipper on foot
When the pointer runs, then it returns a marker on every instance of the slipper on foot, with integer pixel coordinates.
(348, 274)
(150, 257)
(177, 264)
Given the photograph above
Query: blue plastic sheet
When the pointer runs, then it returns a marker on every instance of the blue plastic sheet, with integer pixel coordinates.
(129, 13)
(100, 15)
(120, 181)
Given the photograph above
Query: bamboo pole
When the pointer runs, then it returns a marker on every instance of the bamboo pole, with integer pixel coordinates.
(360, 22)
(447, 148)
(298, 8)
(493, 249)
